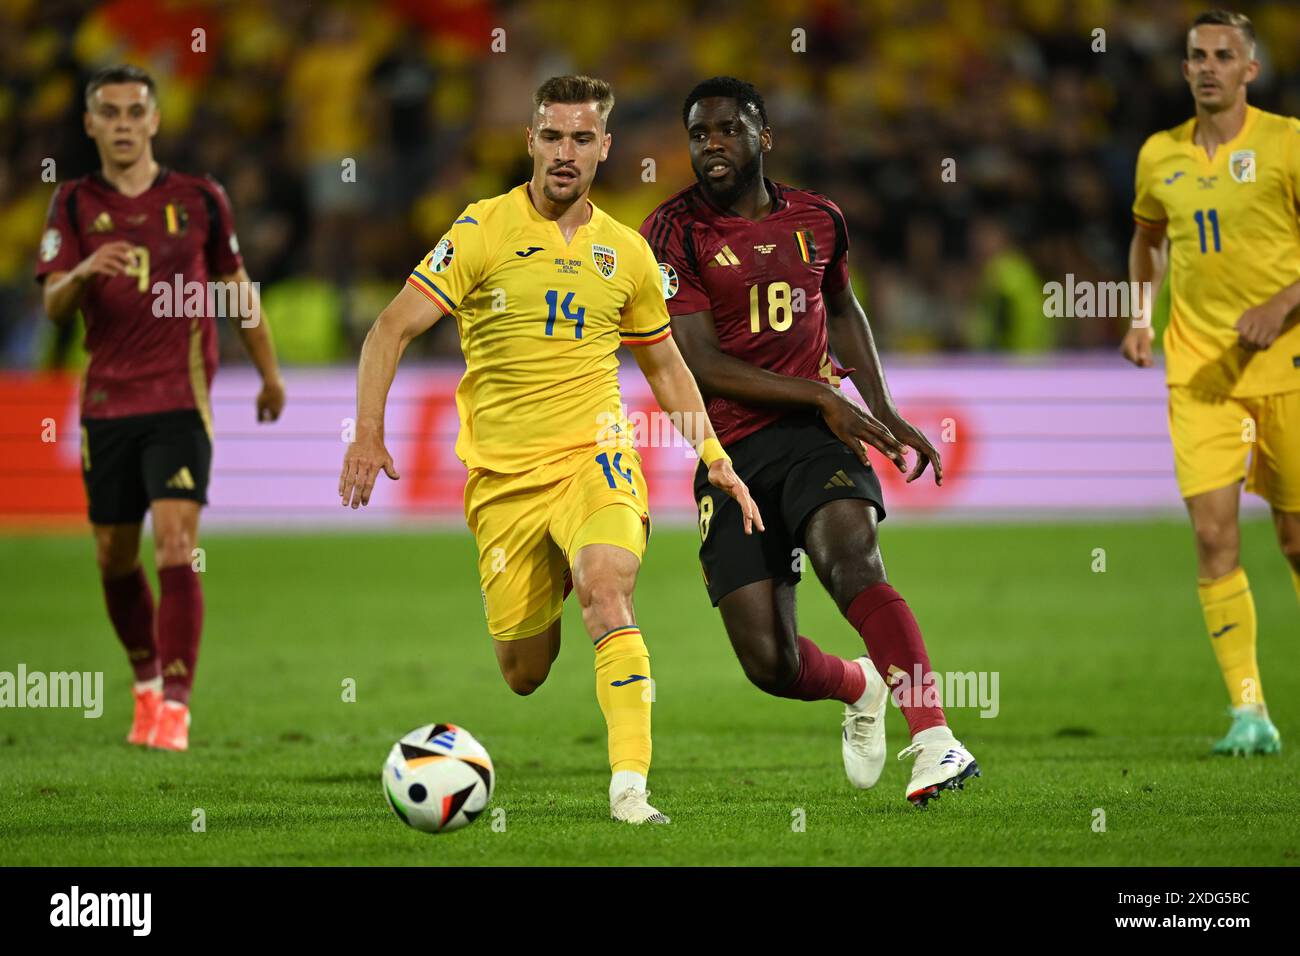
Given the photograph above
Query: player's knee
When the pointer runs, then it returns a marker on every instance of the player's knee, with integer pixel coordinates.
(606, 604)
(523, 684)
(115, 562)
(851, 574)
(770, 669)
(173, 546)
(116, 557)
(1217, 541)
(522, 680)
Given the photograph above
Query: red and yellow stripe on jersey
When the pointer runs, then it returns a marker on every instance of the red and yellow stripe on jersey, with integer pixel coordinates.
(1234, 242)
(540, 323)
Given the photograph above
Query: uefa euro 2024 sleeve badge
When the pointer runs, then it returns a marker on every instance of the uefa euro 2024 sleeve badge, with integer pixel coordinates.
(440, 258)
(671, 283)
(50, 244)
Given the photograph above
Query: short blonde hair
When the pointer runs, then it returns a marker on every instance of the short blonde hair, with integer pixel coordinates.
(576, 89)
(1226, 18)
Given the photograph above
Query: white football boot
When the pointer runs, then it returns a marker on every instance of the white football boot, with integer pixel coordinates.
(631, 806)
(942, 763)
(862, 742)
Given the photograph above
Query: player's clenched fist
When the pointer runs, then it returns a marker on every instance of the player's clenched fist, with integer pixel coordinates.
(853, 425)
(1260, 326)
(362, 462)
(270, 400)
(1136, 346)
(110, 259)
(723, 477)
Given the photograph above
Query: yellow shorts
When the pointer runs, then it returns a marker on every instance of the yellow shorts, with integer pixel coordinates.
(1219, 441)
(529, 526)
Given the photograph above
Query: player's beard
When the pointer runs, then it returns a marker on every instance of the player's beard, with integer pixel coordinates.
(561, 199)
(726, 196)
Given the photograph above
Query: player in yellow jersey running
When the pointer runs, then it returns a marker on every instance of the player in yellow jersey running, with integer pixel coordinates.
(1222, 190)
(545, 287)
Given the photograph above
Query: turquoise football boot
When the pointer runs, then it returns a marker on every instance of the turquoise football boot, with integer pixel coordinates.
(1251, 733)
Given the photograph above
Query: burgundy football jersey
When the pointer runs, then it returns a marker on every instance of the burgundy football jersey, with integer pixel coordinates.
(181, 225)
(763, 281)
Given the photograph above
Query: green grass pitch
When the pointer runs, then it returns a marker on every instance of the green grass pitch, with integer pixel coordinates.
(1109, 700)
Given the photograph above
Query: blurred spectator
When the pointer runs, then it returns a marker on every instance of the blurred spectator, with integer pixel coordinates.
(427, 101)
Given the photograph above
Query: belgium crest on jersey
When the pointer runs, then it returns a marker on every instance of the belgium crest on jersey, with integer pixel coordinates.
(1242, 165)
(605, 258)
(803, 239)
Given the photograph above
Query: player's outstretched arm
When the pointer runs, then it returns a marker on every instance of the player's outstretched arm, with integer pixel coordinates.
(409, 314)
(678, 395)
(255, 335)
(726, 376)
(851, 340)
(63, 291)
(1147, 259)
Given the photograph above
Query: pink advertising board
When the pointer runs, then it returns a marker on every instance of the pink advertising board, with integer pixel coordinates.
(1071, 435)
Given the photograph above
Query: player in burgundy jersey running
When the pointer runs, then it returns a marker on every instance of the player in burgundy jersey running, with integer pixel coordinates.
(146, 426)
(756, 277)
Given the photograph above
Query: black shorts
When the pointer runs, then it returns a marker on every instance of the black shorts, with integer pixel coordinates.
(792, 467)
(128, 462)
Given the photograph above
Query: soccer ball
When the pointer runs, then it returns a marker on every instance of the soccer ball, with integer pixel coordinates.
(438, 778)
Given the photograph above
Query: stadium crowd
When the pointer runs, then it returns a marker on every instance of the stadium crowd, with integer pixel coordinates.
(1042, 126)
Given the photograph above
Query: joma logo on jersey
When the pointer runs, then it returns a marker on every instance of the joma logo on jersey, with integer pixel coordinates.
(605, 258)
(1242, 165)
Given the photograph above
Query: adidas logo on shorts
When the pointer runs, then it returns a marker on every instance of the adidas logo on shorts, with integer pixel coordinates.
(182, 479)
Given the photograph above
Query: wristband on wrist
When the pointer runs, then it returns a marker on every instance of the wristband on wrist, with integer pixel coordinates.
(711, 450)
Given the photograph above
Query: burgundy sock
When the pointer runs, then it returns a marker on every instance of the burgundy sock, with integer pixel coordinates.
(894, 642)
(130, 608)
(180, 622)
(824, 676)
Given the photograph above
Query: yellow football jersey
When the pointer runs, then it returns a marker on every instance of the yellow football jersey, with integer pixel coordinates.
(540, 321)
(1234, 239)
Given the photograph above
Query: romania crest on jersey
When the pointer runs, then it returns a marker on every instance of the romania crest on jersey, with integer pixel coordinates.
(605, 258)
(1242, 165)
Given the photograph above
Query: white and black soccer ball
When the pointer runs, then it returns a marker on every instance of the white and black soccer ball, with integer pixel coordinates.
(438, 778)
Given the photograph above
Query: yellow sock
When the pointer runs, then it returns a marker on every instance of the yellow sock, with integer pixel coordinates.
(624, 689)
(1230, 619)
